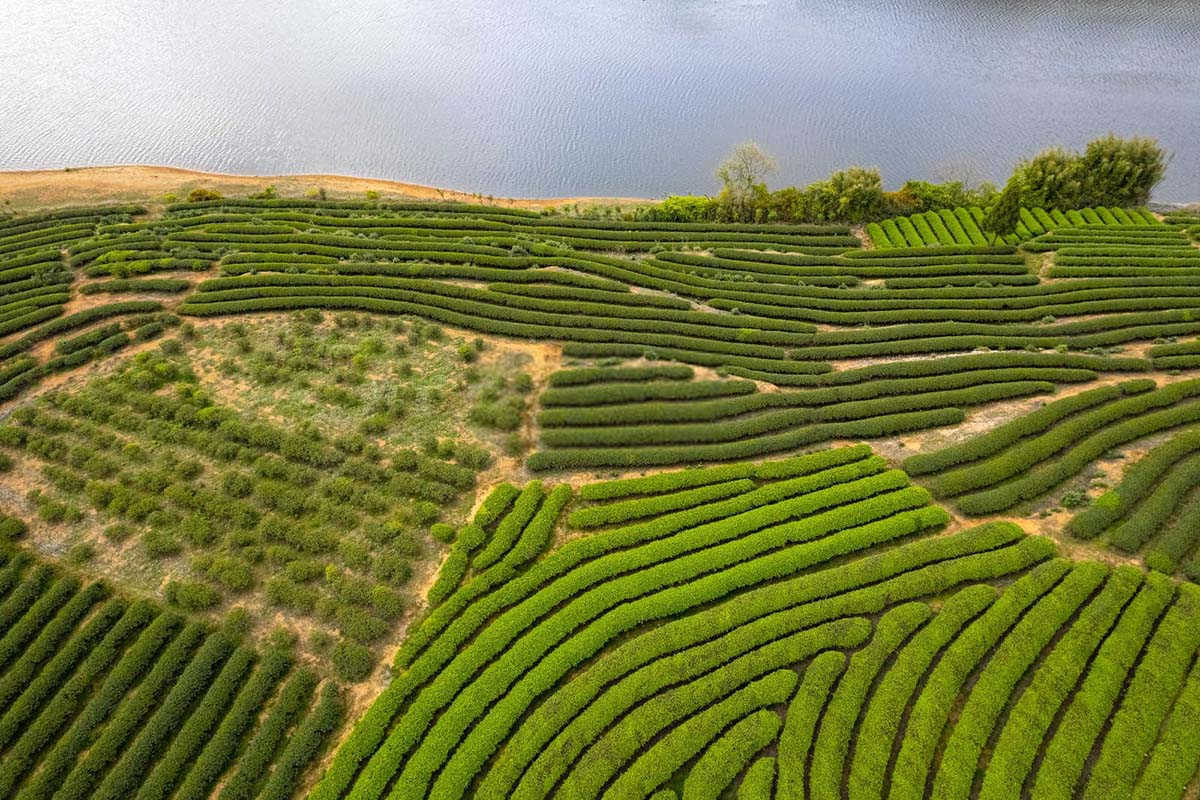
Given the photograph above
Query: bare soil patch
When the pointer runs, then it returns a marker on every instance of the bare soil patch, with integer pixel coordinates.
(25, 190)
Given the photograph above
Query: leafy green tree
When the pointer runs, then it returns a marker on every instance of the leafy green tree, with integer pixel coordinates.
(1110, 172)
(743, 177)
(1121, 172)
(1052, 179)
(1004, 215)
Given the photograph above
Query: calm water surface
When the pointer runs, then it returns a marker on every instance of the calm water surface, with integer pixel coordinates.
(605, 97)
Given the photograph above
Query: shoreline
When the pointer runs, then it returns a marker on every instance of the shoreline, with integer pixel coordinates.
(22, 190)
(150, 184)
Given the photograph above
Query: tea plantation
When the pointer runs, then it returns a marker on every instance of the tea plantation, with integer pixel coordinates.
(393, 500)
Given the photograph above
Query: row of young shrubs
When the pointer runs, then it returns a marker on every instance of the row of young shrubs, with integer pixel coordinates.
(74, 727)
(440, 635)
(521, 307)
(748, 426)
(488, 694)
(1016, 447)
(965, 383)
(1032, 424)
(764, 614)
(717, 347)
(867, 428)
(1048, 474)
(1137, 483)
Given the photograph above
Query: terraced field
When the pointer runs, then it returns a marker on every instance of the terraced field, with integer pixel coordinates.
(406, 500)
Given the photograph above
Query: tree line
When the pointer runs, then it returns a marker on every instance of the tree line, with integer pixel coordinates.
(1110, 171)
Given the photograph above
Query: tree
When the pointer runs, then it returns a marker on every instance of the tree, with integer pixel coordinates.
(743, 177)
(1004, 215)
(1052, 179)
(1110, 172)
(1121, 172)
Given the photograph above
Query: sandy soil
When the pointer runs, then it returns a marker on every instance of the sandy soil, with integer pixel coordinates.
(138, 183)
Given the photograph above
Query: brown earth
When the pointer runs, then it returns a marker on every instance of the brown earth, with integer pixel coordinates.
(23, 190)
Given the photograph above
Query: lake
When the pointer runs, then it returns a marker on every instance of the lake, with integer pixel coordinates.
(594, 97)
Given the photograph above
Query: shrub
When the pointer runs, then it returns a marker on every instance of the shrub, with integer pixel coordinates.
(352, 661)
(11, 528)
(191, 595)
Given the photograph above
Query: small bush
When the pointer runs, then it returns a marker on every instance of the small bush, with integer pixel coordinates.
(191, 595)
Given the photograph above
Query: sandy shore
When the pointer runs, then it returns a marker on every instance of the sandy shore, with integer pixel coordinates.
(24, 190)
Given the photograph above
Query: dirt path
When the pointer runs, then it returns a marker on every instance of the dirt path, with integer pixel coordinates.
(141, 183)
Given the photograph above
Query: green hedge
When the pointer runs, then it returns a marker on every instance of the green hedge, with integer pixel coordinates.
(368, 734)
(488, 689)
(452, 624)
(308, 740)
(103, 726)
(55, 627)
(596, 394)
(1177, 539)
(537, 534)
(30, 726)
(800, 723)
(510, 527)
(496, 503)
(871, 427)
(1047, 475)
(1031, 716)
(831, 750)
(743, 624)
(682, 743)
(222, 747)
(1136, 483)
(589, 375)
(876, 735)
(1150, 516)
(623, 511)
(190, 737)
(757, 425)
(1036, 422)
(1067, 752)
(489, 692)
(833, 401)
(725, 758)
(255, 761)
(133, 751)
(915, 368)
(663, 482)
(1147, 699)
(20, 636)
(931, 710)
(169, 285)
(1174, 759)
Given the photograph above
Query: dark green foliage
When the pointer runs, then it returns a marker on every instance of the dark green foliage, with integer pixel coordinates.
(352, 661)
(191, 595)
(1004, 215)
(1110, 172)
